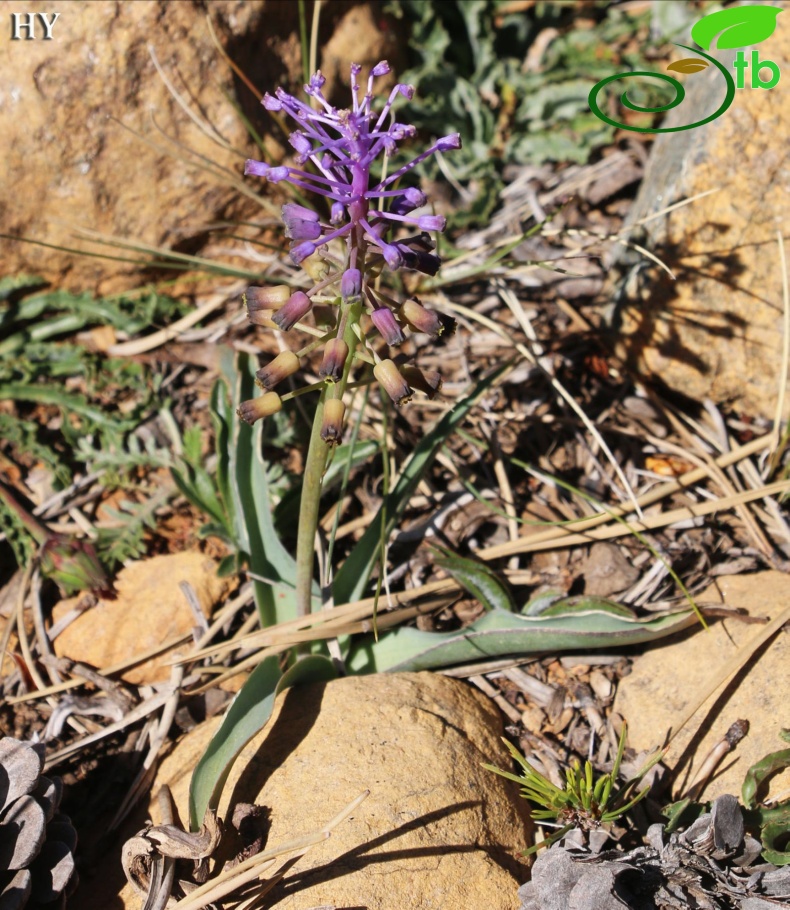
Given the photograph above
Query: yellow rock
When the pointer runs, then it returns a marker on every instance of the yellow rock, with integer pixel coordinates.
(667, 680)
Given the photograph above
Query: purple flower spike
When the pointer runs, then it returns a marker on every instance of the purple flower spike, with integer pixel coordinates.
(297, 307)
(343, 146)
(384, 320)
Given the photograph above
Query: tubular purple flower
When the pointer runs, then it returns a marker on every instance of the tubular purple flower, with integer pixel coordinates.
(258, 408)
(332, 423)
(261, 301)
(293, 210)
(351, 283)
(299, 229)
(392, 255)
(283, 365)
(384, 320)
(334, 362)
(380, 69)
(394, 384)
(296, 308)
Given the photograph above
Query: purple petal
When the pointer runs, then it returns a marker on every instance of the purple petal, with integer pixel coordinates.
(447, 143)
(431, 223)
(380, 69)
(384, 320)
(301, 251)
(351, 283)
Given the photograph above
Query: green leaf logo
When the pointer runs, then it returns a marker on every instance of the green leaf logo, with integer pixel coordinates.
(737, 26)
(688, 65)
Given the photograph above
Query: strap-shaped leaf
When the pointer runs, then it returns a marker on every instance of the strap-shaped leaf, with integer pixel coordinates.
(248, 714)
(501, 633)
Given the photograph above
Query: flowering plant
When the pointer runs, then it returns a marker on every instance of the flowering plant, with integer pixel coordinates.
(345, 255)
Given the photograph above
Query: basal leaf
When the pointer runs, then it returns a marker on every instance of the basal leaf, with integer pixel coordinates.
(479, 580)
(248, 715)
(500, 633)
(737, 26)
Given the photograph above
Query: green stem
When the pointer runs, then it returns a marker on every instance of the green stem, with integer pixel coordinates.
(315, 466)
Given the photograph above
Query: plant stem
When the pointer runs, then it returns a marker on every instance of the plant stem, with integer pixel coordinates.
(315, 465)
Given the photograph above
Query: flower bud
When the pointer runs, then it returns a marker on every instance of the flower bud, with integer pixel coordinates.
(392, 256)
(384, 320)
(427, 381)
(447, 143)
(300, 222)
(420, 319)
(351, 283)
(394, 384)
(431, 223)
(380, 69)
(334, 362)
(297, 306)
(409, 200)
(337, 213)
(302, 251)
(257, 408)
(332, 423)
(261, 301)
(74, 566)
(283, 365)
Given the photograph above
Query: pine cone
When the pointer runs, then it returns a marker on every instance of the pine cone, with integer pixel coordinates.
(36, 842)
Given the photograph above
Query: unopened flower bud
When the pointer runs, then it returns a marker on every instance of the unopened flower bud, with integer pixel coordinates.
(332, 424)
(300, 222)
(351, 283)
(334, 362)
(431, 223)
(420, 319)
(446, 143)
(410, 199)
(297, 306)
(257, 408)
(74, 566)
(384, 320)
(380, 69)
(283, 365)
(394, 384)
(261, 301)
(427, 381)
(302, 251)
(392, 256)
(337, 213)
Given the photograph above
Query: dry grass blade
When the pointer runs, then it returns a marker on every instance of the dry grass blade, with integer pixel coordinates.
(231, 880)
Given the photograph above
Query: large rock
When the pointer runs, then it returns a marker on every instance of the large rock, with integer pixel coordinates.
(668, 679)
(437, 831)
(717, 330)
(150, 609)
(69, 108)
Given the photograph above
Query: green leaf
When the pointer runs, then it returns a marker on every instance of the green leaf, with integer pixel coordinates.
(769, 835)
(759, 772)
(353, 576)
(500, 633)
(737, 25)
(479, 580)
(248, 715)
(243, 484)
